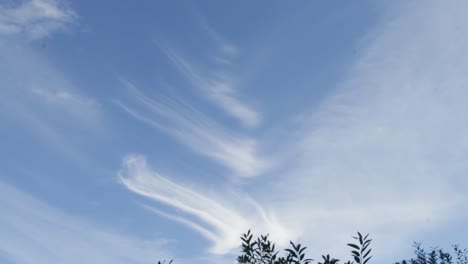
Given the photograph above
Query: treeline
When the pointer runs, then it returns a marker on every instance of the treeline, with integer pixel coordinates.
(262, 250)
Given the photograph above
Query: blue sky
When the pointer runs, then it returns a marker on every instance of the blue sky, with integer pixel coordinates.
(132, 132)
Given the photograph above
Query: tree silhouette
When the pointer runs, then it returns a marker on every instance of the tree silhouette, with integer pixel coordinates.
(262, 250)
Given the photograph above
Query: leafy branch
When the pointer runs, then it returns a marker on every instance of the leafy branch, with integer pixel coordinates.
(361, 250)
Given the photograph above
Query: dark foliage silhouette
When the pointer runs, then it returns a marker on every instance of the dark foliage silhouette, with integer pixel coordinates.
(262, 250)
(328, 260)
(164, 262)
(437, 256)
(361, 250)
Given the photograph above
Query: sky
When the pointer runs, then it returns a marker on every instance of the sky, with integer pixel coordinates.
(134, 131)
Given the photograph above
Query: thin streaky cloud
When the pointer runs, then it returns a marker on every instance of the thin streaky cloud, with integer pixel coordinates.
(226, 48)
(386, 152)
(199, 132)
(217, 88)
(191, 224)
(223, 223)
(34, 232)
(139, 178)
(68, 101)
(35, 19)
(62, 96)
(39, 98)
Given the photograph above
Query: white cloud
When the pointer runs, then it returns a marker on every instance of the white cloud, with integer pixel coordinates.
(199, 132)
(61, 96)
(218, 88)
(212, 215)
(38, 98)
(30, 82)
(66, 100)
(34, 18)
(387, 153)
(226, 48)
(34, 232)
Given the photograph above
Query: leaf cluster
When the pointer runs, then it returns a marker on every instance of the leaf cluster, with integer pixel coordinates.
(361, 250)
(263, 251)
(164, 262)
(437, 256)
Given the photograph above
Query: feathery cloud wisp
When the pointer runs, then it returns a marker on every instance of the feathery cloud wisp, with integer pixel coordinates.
(79, 106)
(34, 232)
(218, 89)
(212, 216)
(386, 153)
(198, 132)
(34, 18)
(39, 98)
(62, 96)
(226, 48)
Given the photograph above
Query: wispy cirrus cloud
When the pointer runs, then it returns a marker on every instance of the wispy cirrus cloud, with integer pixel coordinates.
(29, 81)
(34, 232)
(386, 153)
(38, 98)
(34, 18)
(69, 101)
(197, 131)
(32, 86)
(216, 217)
(62, 97)
(217, 87)
(226, 50)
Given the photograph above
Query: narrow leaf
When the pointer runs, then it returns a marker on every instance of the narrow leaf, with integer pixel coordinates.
(365, 261)
(353, 246)
(367, 254)
(357, 259)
